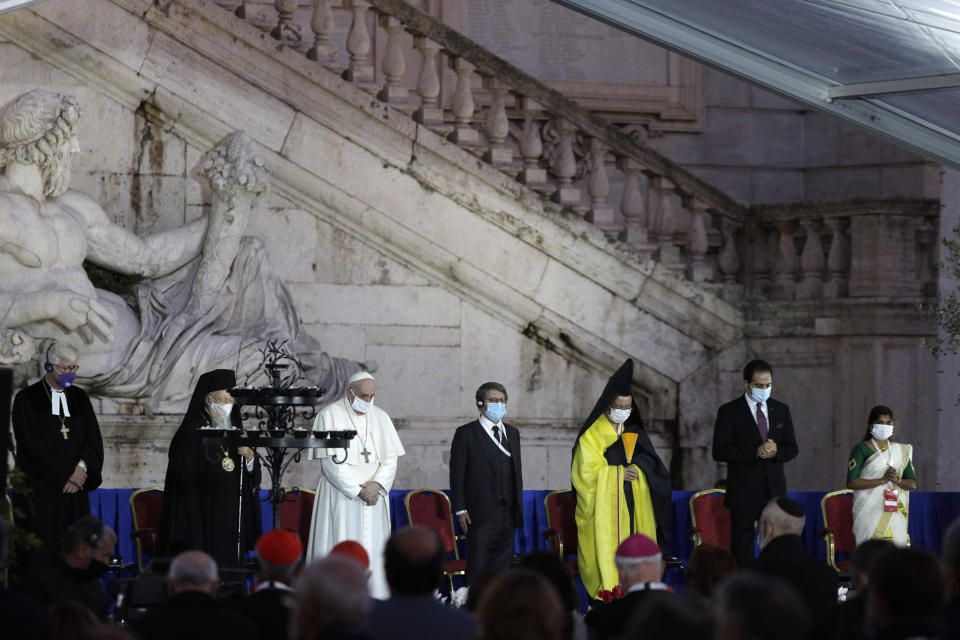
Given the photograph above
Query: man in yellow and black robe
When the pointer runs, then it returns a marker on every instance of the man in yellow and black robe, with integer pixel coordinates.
(622, 486)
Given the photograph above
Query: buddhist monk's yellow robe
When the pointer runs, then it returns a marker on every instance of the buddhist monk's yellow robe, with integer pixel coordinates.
(603, 520)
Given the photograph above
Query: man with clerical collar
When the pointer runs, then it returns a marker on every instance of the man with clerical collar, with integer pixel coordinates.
(640, 567)
(278, 554)
(210, 500)
(352, 493)
(59, 449)
(621, 484)
(486, 483)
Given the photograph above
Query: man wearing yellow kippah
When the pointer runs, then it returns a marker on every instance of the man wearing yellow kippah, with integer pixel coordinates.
(622, 486)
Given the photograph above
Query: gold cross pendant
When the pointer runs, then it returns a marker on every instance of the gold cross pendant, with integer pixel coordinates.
(64, 430)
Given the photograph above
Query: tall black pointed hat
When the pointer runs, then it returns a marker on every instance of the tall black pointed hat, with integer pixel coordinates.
(619, 384)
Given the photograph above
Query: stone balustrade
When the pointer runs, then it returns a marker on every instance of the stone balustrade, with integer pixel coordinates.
(864, 249)
(593, 169)
(570, 156)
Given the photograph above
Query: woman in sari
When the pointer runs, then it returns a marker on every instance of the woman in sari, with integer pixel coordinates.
(881, 475)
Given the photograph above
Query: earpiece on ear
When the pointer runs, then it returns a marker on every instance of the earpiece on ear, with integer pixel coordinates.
(47, 365)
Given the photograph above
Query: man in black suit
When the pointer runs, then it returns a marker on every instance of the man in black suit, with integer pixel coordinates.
(754, 436)
(486, 483)
(192, 611)
(783, 554)
(414, 560)
(640, 566)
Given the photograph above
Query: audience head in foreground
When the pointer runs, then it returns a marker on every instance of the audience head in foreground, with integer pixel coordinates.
(413, 560)
(352, 549)
(757, 607)
(332, 600)
(670, 618)
(278, 556)
(520, 605)
(88, 543)
(638, 560)
(193, 571)
(950, 558)
(906, 594)
(709, 565)
(781, 516)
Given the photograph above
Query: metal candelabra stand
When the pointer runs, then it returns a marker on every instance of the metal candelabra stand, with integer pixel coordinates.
(284, 417)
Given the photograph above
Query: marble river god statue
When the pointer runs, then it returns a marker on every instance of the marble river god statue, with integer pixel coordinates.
(208, 297)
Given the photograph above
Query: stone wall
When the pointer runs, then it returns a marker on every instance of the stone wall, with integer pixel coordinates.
(439, 329)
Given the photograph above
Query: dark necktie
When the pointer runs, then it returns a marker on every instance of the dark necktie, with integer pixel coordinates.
(761, 422)
(498, 435)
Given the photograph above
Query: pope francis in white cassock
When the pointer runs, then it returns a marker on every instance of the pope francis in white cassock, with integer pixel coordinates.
(352, 497)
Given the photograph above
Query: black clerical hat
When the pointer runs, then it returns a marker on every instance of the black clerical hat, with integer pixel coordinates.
(791, 507)
(215, 380)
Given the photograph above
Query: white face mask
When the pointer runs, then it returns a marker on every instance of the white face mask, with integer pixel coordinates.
(220, 413)
(882, 431)
(619, 416)
(361, 406)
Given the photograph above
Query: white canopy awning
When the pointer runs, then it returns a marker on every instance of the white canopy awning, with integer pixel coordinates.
(10, 5)
(892, 66)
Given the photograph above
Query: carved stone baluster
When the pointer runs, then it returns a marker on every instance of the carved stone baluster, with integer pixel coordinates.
(634, 203)
(838, 260)
(463, 106)
(729, 260)
(394, 63)
(531, 145)
(698, 270)
(785, 280)
(428, 84)
(813, 262)
(598, 187)
(565, 164)
(497, 126)
(762, 263)
(322, 25)
(669, 253)
(285, 26)
(360, 71)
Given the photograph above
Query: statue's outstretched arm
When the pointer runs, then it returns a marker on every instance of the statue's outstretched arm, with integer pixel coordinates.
(113, 247)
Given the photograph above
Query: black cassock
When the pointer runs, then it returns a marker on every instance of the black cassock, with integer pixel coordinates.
(48, 459)
(201, 499)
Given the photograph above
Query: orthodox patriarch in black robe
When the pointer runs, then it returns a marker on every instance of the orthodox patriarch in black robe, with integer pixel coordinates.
(202, 492)
(49, 448)
(610, 508)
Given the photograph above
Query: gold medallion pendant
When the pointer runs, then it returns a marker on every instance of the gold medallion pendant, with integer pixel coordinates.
(227, 464)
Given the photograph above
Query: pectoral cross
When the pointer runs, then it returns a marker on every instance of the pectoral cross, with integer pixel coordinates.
(64, 430)
(365, 454)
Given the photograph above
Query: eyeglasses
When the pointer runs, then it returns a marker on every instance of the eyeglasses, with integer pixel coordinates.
(72, 368)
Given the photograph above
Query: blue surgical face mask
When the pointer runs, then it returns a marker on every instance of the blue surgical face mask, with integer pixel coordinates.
(760, 395)
(65, 380)
(496, 411)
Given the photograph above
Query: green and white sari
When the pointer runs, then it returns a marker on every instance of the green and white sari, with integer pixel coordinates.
(870, 519)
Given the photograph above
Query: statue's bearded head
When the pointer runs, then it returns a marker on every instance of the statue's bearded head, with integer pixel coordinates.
(38, 129)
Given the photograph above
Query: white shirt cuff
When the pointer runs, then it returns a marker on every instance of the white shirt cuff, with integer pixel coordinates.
(461, 512)
(82, 464)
